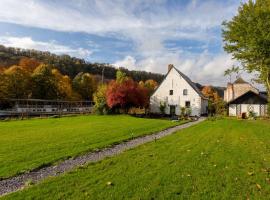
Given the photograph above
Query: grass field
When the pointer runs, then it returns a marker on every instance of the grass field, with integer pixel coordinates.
(25, 145)
(223, 159)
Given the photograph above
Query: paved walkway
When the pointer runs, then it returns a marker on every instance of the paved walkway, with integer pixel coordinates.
(18, 182)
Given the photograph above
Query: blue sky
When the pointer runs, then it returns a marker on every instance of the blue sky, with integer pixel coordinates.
(140, 35)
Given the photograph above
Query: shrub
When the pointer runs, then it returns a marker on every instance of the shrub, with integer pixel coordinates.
(162, 107)
(252, 115)
(100, 100)
(188, 112)
(183, 112)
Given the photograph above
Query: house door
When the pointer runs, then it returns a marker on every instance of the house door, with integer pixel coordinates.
(172, 110)
(238, 109)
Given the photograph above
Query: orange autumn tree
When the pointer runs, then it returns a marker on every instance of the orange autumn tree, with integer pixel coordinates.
(29, 64)
(215, 104)
(210, 93)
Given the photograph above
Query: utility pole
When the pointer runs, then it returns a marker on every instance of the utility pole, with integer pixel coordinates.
(102, 78)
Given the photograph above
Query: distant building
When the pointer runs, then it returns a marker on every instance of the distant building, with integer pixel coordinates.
(176, 91)
(243, 98)
(238, 88)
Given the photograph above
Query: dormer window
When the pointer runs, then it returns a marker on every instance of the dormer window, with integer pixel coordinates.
(171, 92)
(185, 92)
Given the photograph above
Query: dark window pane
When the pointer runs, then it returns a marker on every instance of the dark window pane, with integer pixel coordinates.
(171, 92)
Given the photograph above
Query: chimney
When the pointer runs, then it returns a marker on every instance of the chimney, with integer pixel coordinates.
(170, 66)
(230, 92)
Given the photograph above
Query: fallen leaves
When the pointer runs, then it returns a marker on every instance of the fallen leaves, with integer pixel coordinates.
(259, 187)
(268, 180)
(109, 183)
(250, 173)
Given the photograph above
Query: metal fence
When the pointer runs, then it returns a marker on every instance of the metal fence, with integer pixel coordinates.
(37, 107)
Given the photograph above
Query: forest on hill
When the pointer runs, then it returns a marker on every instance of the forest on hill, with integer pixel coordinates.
(70, 66)
(31, 74)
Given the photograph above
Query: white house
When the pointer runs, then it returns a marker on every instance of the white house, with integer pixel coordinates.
(176, 91)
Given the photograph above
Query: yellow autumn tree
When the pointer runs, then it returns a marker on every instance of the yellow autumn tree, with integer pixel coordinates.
(17, 81)
(100, 99)
(63, 85)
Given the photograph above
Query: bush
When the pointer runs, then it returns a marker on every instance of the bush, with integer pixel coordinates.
(183, 112)
(100, 100)
(188, 112)
(252, 115)
(162, 107)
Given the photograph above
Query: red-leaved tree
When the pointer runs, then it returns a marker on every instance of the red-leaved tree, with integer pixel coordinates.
(126, 94)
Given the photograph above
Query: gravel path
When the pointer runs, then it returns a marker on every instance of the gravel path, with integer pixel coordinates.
(18, 182)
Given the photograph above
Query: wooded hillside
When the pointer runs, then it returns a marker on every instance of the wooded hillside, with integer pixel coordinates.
(68, 65)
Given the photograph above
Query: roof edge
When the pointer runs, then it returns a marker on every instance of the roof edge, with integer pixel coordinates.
(250, 91)
(191, 83)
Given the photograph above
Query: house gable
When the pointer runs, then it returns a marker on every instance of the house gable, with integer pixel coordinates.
(181, 76)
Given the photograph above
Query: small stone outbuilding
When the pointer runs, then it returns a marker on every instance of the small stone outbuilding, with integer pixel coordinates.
(242, 98)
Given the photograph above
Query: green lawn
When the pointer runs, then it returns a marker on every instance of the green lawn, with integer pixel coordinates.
(224, 159)
(29, 144)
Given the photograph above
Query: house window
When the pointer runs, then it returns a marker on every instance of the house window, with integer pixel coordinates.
(171, 92)
(185, 92)
(187, 104)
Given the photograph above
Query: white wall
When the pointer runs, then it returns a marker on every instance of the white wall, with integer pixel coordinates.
(232, 110)
(244, 109)
(175, 82)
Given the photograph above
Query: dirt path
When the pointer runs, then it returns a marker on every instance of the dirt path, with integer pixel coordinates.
(18, 182)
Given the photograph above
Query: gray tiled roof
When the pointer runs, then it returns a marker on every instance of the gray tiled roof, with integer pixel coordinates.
(191, 83)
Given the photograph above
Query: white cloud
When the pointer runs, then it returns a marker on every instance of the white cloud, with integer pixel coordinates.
(128, 62)
(147, 23)
(204, 68)
(125, 18)
(52, 46)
